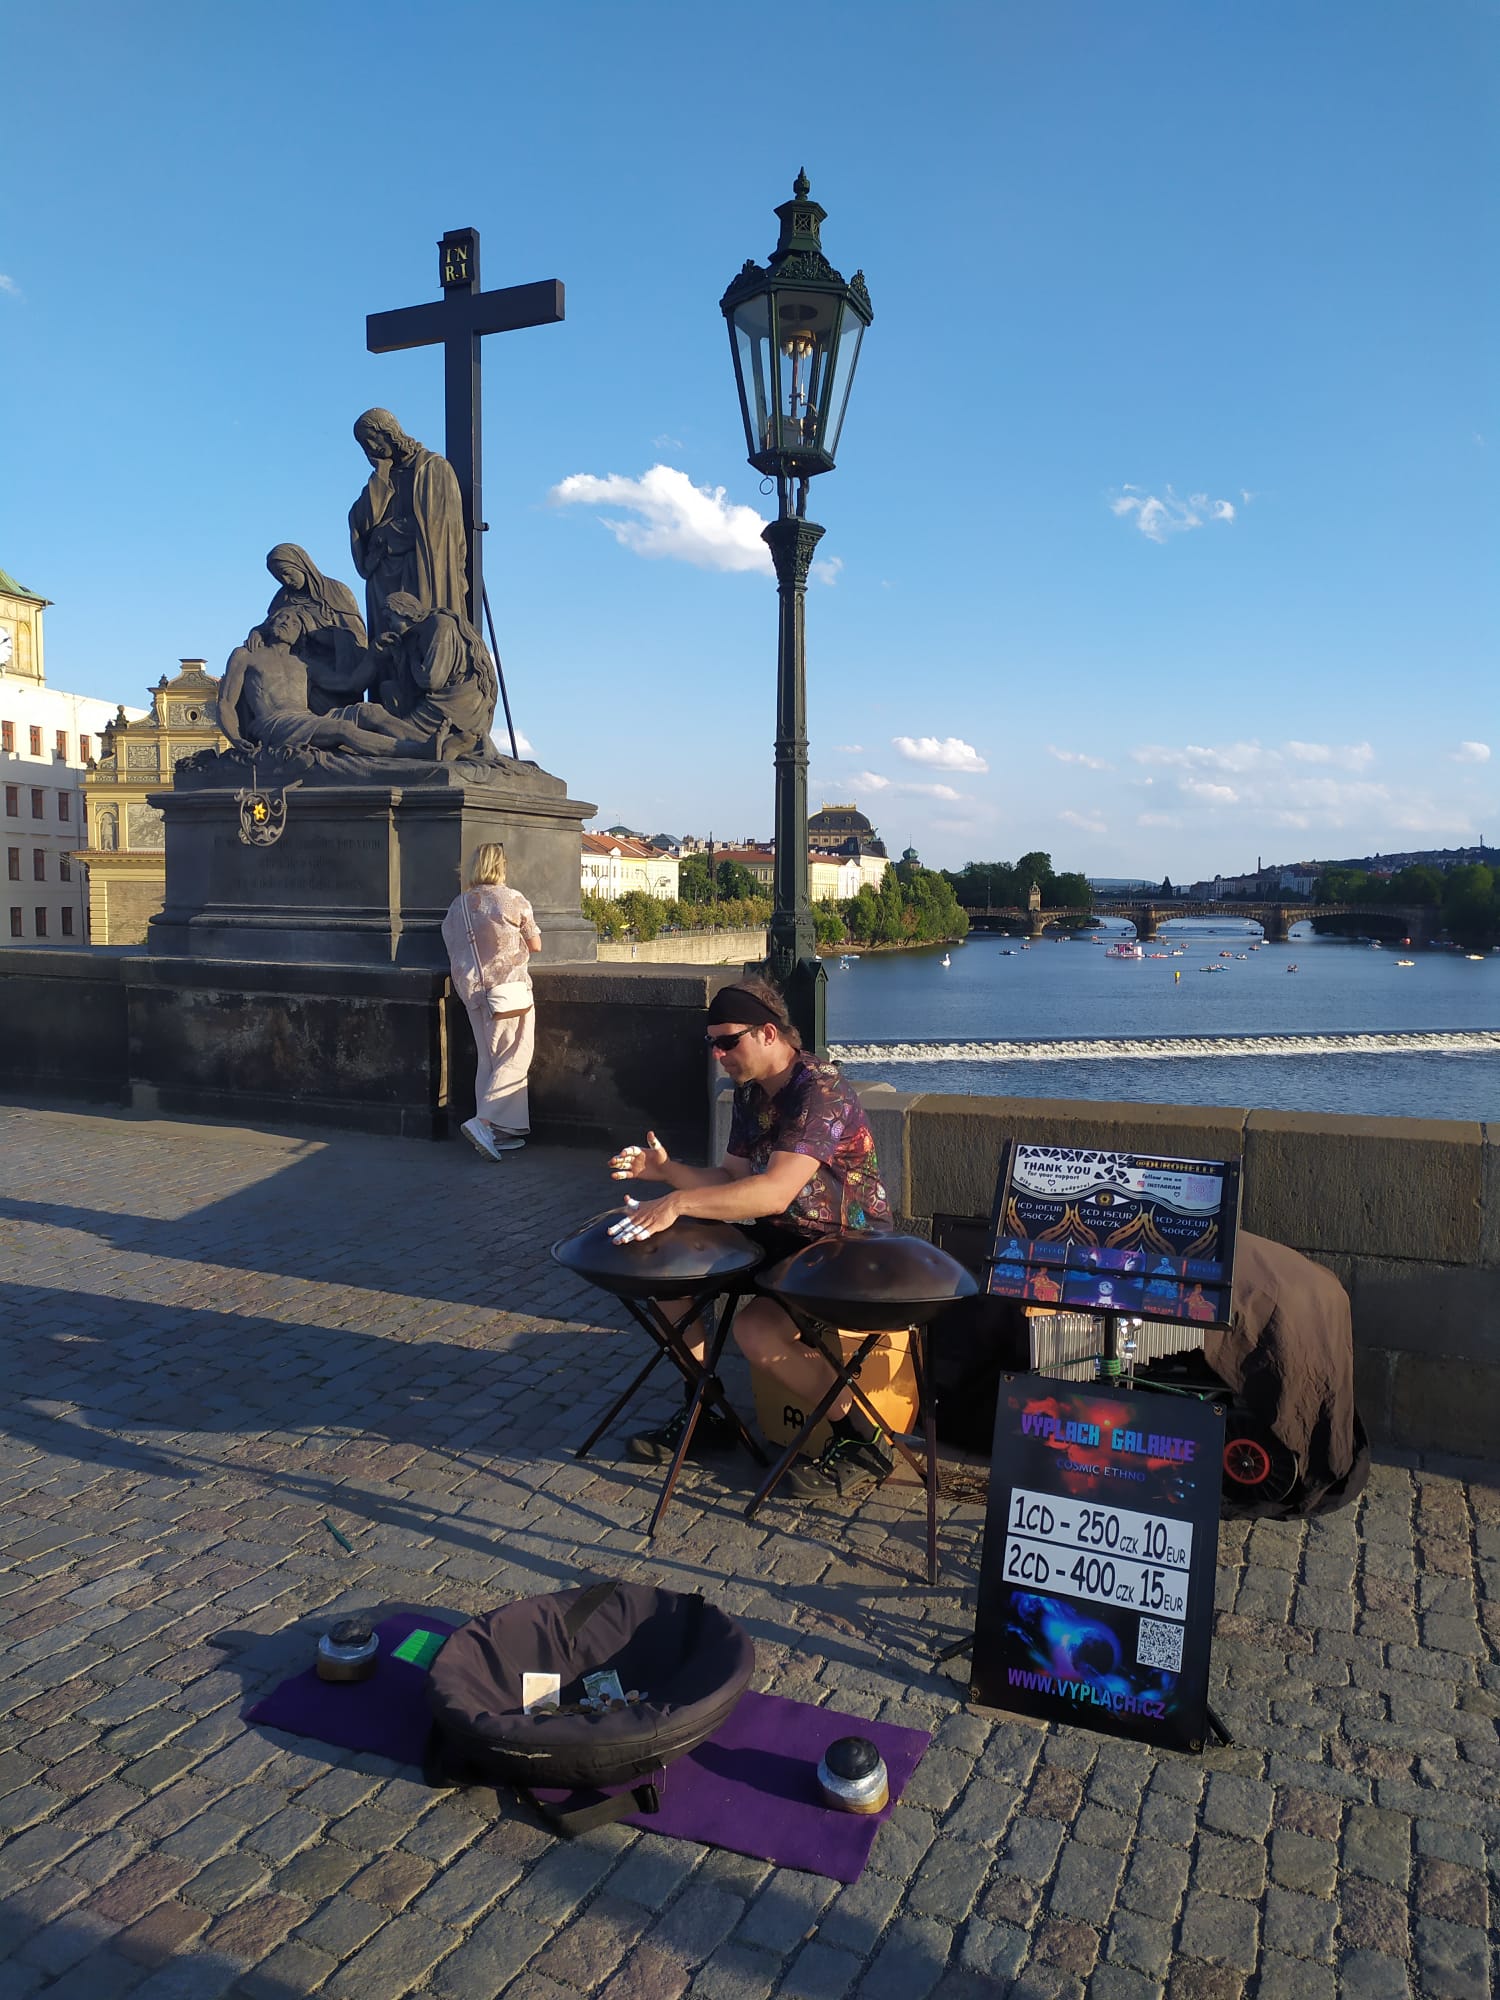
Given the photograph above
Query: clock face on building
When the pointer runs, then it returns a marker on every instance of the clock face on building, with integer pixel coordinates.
(7, 645)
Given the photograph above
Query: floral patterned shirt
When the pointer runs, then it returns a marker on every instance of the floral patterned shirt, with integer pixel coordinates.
(817, 1114)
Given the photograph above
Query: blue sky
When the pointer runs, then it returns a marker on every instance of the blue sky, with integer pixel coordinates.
(1162, 533)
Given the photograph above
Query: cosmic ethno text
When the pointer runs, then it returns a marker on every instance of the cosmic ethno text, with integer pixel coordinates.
(1100, 1553)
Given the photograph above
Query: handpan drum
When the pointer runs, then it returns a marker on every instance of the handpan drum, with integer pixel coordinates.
(689, 1257)
(868, 1283)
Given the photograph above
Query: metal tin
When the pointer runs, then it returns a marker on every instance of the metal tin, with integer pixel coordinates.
(348, 1653)
(852, 1776)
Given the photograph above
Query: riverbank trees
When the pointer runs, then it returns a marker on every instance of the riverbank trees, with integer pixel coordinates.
(1467, 897)
(921, 909)
(1002, 885)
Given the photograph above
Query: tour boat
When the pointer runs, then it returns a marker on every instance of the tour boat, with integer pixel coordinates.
(1124, 949)
(1406, 961)
(1474, 957)
(1156, 954)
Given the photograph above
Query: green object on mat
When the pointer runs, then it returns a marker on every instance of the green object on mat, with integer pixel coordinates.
(421, 1648)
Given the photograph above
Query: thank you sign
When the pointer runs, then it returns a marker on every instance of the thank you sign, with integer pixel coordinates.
(1096, 1586)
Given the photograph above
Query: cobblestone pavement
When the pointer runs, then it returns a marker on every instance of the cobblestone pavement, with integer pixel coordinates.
(214, 1338)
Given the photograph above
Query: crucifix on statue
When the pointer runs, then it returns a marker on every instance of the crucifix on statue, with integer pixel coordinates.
(457, 322)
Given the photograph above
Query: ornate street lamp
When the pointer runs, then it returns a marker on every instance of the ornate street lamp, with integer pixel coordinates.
(795, 329)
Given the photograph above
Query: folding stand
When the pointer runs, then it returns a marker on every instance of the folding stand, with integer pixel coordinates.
(702, 1377)
(845, 1377)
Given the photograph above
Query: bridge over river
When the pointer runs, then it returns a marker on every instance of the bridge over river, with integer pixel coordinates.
(1275, 919)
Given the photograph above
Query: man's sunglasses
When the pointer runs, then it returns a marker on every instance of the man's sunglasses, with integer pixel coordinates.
(721, 1044)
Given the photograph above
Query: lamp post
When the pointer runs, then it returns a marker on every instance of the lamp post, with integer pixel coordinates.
(795, 329)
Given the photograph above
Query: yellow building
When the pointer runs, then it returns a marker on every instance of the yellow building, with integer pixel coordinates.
(613, 865)
(21, 630)
(125, 855)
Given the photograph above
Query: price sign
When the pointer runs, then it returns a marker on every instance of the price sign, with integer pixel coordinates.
(1096, 1584)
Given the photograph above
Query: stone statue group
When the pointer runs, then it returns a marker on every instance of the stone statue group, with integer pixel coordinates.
(412, 678)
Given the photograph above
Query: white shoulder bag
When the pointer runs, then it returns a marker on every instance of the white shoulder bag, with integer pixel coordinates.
(512, 996)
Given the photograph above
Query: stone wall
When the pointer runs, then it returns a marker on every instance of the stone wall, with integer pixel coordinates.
(380, 1049)
(124, 905)
(736, 948)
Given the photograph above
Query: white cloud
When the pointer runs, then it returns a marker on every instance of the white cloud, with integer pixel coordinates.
(1251, 757)
(1084, 822)
(1472, 753)
(1203, 788)
(1321, 787)
(1346, 756)
(849, 749)
(949, 753)
(666, 515)
(872, 781)
(1167, 514)
(1158, 819)
(9, 286)
(1078, 757)
(501, 739)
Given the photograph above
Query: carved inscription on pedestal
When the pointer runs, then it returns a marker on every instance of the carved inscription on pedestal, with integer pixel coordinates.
(307, 867)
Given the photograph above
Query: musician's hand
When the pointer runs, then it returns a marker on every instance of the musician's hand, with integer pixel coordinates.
(646, 1218)
(640, 1163)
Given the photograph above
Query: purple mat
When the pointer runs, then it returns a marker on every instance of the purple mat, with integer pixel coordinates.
(751, 1788)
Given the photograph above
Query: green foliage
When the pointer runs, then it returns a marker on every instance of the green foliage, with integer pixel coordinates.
(921, 910)
(606, 916)
(1000, 885)
(735, 880)
(693, 882)
(641, 916)
(1467, 898)
(643, 913)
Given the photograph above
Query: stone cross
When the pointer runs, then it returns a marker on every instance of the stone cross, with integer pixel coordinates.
(457, 322)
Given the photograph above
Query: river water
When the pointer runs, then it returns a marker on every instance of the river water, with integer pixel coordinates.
(1349, 1031)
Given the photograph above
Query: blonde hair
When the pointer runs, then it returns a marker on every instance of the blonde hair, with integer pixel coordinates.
(486, 864)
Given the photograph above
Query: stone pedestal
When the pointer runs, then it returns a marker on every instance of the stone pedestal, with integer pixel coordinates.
(367, 863)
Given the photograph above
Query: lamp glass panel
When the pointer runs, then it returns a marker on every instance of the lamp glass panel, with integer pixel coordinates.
(752, 346)
(837, 397)
(806, 323)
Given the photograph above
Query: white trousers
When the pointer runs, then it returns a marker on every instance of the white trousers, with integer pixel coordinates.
(504, 1051)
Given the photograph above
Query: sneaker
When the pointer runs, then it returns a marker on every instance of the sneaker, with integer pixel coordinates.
(847, 1469)
(712, 1434)
(507, 1142)
(478, 1135)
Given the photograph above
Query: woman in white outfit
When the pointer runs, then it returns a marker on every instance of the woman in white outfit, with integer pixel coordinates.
(490, 934)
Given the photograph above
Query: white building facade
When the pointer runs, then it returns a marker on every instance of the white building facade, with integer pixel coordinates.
(47, 740)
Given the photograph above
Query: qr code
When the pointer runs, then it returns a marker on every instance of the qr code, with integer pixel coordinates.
(1159, 1645)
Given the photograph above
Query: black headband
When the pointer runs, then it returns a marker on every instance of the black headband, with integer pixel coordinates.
(734, 1003)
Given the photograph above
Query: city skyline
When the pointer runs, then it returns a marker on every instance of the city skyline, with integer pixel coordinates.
(1161, 525)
